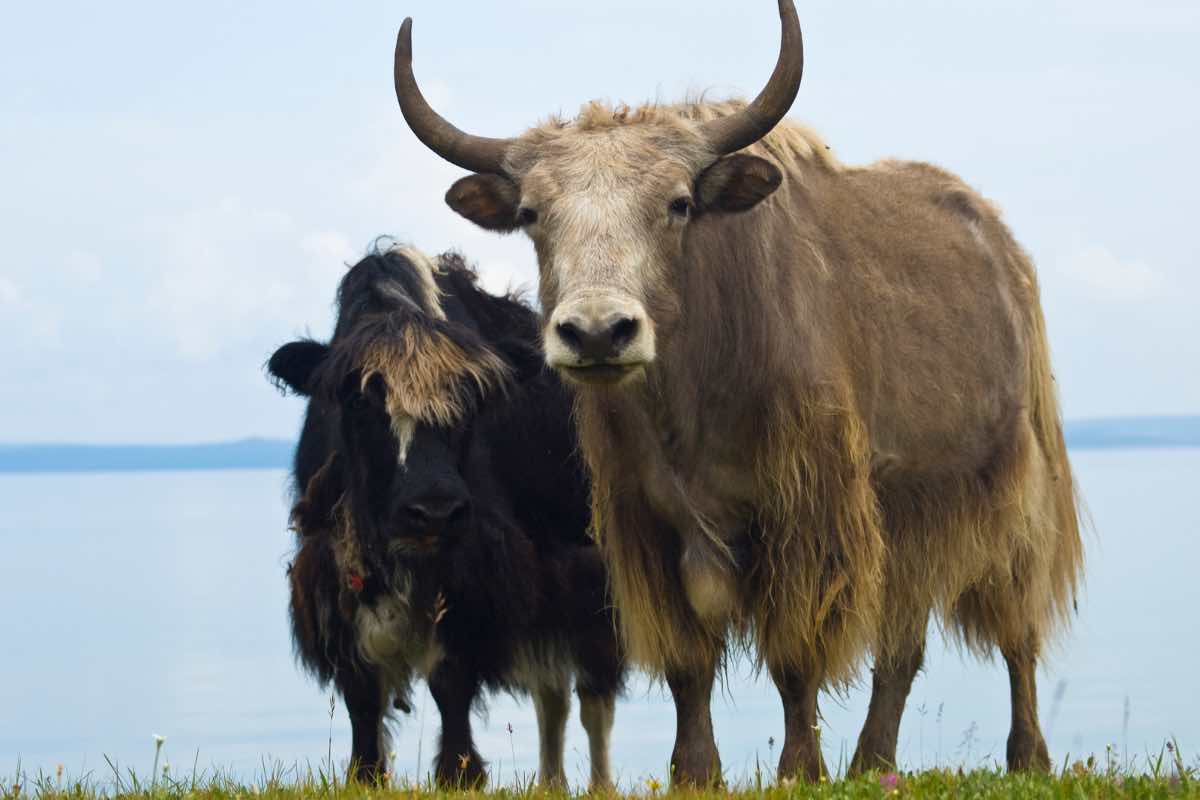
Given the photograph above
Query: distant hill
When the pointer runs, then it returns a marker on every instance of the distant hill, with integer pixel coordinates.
(1133, 432)
(1094, 434)
(244, 454)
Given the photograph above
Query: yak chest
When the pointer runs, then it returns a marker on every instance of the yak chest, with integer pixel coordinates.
(706, 503)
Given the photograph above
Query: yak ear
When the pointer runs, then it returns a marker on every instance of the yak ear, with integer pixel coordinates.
(737, 183)
(490, 201)
(292, 366)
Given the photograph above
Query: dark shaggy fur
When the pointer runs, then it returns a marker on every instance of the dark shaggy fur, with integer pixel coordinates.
(467, 564)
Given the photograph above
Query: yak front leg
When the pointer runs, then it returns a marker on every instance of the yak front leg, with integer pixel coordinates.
(801, 755)
(363, 694)
(553, 705)
(891, 682)
(695, 760)
(596, 712)
(458, 763)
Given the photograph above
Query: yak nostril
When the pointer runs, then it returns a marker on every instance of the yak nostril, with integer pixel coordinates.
(417, 516)
(623, 332)
(426, 514)
(570, 333)
(598, 341)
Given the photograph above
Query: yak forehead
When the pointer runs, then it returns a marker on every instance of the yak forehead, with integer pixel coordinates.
(601, 186)
(393, 327)
(428, 376)
(627, 164)
(398, 279)
(422, 268)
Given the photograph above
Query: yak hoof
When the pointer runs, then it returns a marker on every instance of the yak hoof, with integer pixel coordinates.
(1027, 752)
(465, 771)
(697, 766)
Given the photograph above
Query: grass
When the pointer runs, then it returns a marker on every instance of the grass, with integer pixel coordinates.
(1164, 776)
(931, 784)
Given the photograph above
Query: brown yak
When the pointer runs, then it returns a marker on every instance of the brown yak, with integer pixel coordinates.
(815, 400)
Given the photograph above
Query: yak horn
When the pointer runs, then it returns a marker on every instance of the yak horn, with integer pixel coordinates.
(730, 134)
(474, 153)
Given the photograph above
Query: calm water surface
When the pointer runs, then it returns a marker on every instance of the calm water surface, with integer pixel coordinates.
(142, 604)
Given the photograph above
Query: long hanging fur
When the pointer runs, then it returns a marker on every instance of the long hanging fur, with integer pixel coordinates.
(848, 552)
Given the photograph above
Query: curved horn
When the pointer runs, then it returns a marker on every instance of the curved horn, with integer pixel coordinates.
(475, 153)
(730, 134)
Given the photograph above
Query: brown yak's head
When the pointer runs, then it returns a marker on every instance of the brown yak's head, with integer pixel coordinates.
(608, 199)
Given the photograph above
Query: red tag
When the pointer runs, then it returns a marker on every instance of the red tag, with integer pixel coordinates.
(356, 582)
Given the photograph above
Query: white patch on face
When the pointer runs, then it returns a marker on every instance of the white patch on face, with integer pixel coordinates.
(426, 267)
(404, 428)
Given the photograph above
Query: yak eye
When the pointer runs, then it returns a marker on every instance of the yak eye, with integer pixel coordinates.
(681, 207)
(527, 216)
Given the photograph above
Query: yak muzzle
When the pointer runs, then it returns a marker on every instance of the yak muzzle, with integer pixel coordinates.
(600, 339)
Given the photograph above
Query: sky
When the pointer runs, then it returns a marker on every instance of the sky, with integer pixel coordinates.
(182, 184)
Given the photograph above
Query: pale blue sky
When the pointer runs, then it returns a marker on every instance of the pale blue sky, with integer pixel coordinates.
(180, 183)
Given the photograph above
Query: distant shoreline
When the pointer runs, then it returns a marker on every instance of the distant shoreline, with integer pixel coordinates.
(52, 458)
(1095, 434)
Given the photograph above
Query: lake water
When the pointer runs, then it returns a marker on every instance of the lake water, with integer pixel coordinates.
(142, 604)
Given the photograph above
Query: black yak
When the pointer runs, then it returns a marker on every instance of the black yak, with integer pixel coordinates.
(442, 517)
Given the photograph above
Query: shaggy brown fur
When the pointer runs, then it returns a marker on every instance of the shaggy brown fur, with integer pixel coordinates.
(850, 420)
(429, 377)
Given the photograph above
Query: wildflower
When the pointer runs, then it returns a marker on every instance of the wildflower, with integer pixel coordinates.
(771, 742)
(653, 785)
(889, 781)
(159, 741)
(463, 760)
(58, 771)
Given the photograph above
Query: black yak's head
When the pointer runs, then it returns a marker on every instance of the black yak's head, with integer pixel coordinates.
(397, 392)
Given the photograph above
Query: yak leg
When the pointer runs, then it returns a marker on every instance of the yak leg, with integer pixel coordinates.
(890, 684)
(801, 756)
(458, 764)
(1026, 746)
(695, 760)
(995, 614)
(552, 704)
(596, 712)
(362, 692)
